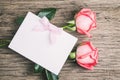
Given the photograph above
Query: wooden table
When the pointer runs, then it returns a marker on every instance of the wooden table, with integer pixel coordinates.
(106, 38)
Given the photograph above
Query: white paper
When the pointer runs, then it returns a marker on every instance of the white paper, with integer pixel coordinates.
(36, 47)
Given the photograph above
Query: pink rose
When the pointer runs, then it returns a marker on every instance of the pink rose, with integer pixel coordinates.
(87, 55)
(85, 21)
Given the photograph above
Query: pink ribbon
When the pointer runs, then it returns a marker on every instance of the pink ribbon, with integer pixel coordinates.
(47, 26)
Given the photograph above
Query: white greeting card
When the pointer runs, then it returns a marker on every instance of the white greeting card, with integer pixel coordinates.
(47, 47)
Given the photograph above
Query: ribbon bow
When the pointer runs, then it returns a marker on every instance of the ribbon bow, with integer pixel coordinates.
(47, 26)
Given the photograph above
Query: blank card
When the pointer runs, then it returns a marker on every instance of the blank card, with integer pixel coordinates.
(41, 45)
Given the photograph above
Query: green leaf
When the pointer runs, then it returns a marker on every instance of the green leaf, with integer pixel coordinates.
(19, 20)
(38, 68)
(50, 75)
(4, 43)
(48, 12)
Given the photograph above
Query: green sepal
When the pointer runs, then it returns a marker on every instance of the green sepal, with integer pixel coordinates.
(70, 26)
(71, 22)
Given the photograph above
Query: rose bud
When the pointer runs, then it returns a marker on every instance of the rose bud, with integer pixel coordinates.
(72, 55)
(87, 55)
(85, 21)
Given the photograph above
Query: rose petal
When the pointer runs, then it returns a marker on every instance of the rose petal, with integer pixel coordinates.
(85, 21)
(90, 67)
(86, 60)
(82, 50)
(87, 55)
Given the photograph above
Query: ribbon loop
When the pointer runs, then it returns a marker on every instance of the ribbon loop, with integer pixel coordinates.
(47, 26)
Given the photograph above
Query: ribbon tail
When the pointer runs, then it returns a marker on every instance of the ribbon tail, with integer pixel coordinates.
(52, 38)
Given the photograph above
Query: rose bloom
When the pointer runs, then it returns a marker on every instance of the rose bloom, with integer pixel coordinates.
(85, 21)
(87, 55)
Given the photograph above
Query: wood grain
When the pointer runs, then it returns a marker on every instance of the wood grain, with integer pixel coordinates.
(106, 37)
